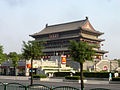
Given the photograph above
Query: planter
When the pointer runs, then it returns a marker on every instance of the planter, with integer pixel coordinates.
(41, 79)
(44, 79)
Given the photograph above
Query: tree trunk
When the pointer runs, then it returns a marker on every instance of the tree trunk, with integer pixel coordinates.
(14, 71)
(31, 72)
(81, 76)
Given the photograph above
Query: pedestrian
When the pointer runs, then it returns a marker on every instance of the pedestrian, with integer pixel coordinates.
(116, 74)
(110, 76)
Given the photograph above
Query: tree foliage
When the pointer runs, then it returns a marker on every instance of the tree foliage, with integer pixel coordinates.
(2, 56)
(32, 49)
(14, 57)
(81, 51)
(21, 57)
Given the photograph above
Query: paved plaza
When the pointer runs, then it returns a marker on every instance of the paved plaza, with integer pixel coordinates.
(58, 79)
(58, 82)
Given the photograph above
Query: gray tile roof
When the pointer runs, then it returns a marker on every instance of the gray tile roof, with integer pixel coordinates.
(97, 39)
(63, 27)
(93, 31)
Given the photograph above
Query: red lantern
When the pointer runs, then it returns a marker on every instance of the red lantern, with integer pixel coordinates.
(102, 44)
(66, 55)
(48, 56)
(105, 68)
(45, 57)
(81, 39)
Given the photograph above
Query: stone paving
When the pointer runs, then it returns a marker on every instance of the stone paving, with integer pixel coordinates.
(59, 79)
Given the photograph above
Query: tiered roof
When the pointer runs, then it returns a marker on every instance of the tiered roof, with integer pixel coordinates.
(82, 24)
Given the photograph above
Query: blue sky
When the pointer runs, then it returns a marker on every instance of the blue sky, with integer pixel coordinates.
(20, 18)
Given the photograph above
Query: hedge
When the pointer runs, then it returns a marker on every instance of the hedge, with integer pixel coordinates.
(39, 76)
(95, 74)
(116, 79)
(86, 74)
(73, 77)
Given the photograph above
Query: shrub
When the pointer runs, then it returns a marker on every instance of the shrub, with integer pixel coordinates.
(104, 71)
(39, 76)
(95, 74)
(116, 79)
(86, 74)
(72, 77)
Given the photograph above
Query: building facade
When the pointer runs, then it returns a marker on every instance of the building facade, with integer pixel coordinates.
(57, 37)
(40, 67)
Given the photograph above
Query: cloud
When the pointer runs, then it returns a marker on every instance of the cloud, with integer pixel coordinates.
(109, 0)
(14, 3)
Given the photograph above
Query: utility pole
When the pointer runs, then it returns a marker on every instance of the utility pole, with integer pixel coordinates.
(110, 66)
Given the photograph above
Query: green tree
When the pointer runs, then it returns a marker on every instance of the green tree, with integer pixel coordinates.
(32, 50)
(15, 58)
(80, 52)
(5, 56)
(21, 57)
(2, 56)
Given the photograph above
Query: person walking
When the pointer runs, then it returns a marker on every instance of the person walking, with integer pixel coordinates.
(110, 76)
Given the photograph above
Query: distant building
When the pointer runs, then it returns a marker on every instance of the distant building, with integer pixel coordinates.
(40, 67)
(57, 37)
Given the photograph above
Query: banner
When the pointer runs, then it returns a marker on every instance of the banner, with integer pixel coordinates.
(63, 59)
(28, 65)
(34, 65)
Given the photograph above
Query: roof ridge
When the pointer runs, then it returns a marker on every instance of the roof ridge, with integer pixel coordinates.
(66, 23)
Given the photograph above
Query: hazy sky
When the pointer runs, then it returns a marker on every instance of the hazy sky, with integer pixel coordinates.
(20, 18)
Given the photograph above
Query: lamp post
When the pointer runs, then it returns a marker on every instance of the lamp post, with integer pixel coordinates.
(110, 66)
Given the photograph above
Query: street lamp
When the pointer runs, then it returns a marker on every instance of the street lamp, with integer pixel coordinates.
(110, 66)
